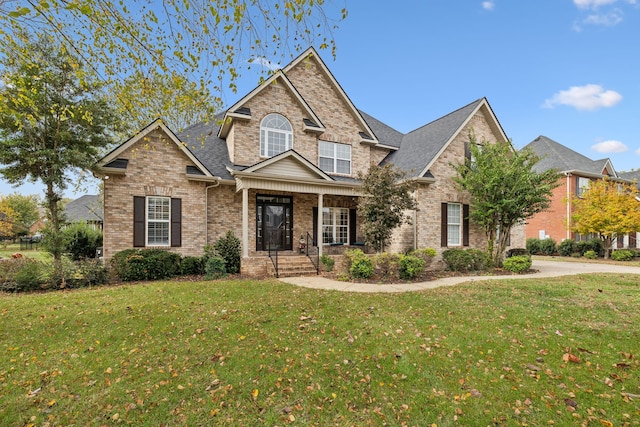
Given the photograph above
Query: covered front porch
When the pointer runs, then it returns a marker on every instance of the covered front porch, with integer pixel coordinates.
(304, 211)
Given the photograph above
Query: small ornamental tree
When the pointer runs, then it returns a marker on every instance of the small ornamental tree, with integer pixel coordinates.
(382, 207)
(7, 219)
(505, 190)
(608, 209)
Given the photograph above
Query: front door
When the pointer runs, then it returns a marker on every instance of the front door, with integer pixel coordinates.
(274, 223)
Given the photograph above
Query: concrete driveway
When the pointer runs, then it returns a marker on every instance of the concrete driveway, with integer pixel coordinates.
(545, 269)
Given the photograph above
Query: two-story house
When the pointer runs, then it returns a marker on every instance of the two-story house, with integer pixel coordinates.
(282, 163)
(576, 173)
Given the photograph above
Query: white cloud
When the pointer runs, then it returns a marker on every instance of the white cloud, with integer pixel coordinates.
(610, 146)
(594, 4)
(265, 62)
(488, 5)
(605, 19)
(588, 97)
(638, 151)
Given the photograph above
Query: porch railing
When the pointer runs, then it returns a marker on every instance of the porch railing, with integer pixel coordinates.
(274, 248)
(310, 252)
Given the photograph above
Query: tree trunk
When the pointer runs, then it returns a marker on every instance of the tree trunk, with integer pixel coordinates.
(54, 237)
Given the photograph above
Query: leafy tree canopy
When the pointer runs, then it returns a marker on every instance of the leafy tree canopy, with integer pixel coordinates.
(608, 209)
(199, 47)
(26, 211)
(505, 189)
(386, 197)
(52, 120)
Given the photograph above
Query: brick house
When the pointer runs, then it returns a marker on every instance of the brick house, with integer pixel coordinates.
(576, 171)
(282, 165)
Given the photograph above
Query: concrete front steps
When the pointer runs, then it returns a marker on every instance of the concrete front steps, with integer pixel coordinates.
(292, 266)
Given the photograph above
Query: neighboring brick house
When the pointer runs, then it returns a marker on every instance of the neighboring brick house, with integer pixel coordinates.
(284, 163)
(576, 171)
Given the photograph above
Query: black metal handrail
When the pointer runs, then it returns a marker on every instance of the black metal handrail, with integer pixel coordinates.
(316, 262)
(273, 251)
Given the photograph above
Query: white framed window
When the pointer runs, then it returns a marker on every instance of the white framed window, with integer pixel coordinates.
(334, 158)
(454, 224)
(583, 185)
(158, 220)
(276, 135)
(335, 225)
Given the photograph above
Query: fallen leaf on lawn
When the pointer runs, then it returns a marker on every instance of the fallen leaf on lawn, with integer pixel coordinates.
(568, 357)
(606, 423)
(559, 333)
(255, 393)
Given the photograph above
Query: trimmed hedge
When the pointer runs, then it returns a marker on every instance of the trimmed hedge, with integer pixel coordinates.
(466, 259)
(145, 264)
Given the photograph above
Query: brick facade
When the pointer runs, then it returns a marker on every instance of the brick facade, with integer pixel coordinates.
(157, 166)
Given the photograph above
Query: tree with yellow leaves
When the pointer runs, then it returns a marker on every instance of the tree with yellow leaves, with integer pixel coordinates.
(609, 209)
(7, 218)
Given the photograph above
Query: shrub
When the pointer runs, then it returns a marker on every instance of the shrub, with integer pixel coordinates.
(81, 240)
(21, 275)
(427, 254)
(594, 245)
(457, 259)
(145, 264)
(590, 255)
(517, 252)
(229, 248)
(327, 262)
(533, 246)
(622, 255)
(480, 259)
(547, 247)
(192, 265)
(518, 264)
(387, 264)
(360, 265)
(567, 247)
(83, 273)
(410, 266)
(215, 268)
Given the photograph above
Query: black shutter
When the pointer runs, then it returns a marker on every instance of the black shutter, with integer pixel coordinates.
(138, 222)
(315, 226)
(176, 223)
(465, 225)
(353, 231)
(443, 225)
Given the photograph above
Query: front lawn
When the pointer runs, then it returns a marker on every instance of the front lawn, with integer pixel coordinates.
(534, 352)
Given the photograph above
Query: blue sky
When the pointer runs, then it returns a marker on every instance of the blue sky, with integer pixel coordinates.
(566, 69)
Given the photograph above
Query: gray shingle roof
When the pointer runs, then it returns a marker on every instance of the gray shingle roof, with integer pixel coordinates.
(86, 208)
(419, 147)
(386, 134)
(202, 140)
(554, 155)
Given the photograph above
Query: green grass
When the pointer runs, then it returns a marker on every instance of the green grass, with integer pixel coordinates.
(250, 353)
(6, 251)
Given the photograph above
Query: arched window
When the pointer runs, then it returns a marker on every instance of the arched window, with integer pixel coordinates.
(276, 135)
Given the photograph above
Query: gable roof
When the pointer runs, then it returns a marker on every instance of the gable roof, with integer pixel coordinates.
(421, 147)
(203, 142)
(238, 111)
(113, 156)
(290, 164)
(86, 208)
(554, 155)
(311, 54)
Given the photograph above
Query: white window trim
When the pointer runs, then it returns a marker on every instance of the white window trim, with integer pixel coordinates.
(148, 221)
(334, 226)
(334, 158)
(450, 235)
(584, 187)
(264, 132)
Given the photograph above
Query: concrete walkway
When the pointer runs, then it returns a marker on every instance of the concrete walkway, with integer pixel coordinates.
(545, 269)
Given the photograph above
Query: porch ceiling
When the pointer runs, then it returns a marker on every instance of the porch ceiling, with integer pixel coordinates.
(293, 185)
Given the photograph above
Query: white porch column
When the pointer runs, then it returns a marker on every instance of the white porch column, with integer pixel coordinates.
(245, 223)
(319, 225)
